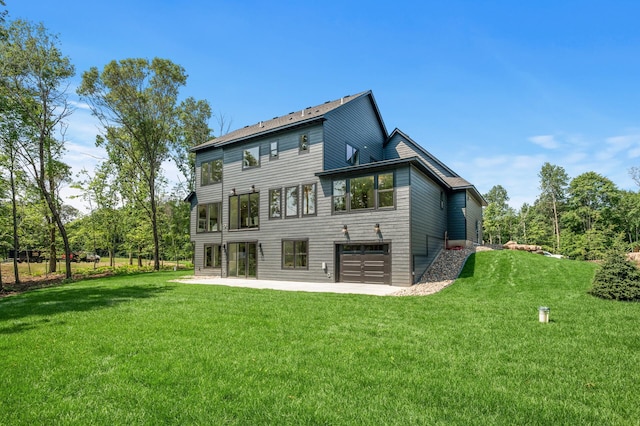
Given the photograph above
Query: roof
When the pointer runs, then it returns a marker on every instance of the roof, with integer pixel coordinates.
(293, 119)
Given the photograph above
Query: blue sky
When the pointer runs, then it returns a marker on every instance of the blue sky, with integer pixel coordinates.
(492, 88)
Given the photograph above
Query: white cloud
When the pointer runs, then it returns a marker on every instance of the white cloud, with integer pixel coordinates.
(545, 141)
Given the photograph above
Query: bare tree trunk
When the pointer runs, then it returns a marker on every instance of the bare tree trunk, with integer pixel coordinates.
(14, 212)
(52, 246)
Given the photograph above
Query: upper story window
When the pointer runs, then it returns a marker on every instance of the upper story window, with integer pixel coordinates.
(309, 199)
(211, 172)
(275, 203)
(339, 195)
(303, 143)
(361, 192)
(273, 150)
(291, 201)
(364, 193)
(209, 217)
(244, 211)
(251, 157)
(352, 155)
(385, 190)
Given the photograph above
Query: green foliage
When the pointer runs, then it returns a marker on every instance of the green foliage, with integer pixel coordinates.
(617, 279)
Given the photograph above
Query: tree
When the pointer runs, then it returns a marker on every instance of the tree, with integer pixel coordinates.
(553, 184)
(497, 215)
(35, 74)
(193, 130)
(136, 102)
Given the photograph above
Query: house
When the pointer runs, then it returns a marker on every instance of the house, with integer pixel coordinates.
(326, 194)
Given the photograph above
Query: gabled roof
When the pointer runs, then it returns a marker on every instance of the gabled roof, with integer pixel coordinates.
(293, 119)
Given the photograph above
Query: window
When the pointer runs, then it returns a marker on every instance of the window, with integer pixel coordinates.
(441, 200)
(309, 199)
(291, 201)
(303, 143)
(275, 203)
(385, 190)
(352, 155)
(295, 254)
(361, 193)
(251, 157)
(244, 211)
(212, 256)
(273, 150)
(339, 195)
(209, 217)
(211, 172)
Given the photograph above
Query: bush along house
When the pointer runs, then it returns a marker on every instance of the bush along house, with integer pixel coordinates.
(325, 194)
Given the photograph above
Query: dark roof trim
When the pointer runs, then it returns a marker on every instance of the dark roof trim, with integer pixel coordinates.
(260, 134)
(420, 149)
(190, 197)
(386, 164)
(389, 164)
(303, 117)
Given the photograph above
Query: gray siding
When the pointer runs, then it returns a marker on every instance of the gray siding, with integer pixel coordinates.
(354, 123)
(399, 147)
(473, 215)
(456, 211)
(428, 221)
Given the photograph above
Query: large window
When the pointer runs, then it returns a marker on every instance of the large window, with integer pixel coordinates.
(251, 157)
(309, 199)
(244, 211)
(212, 256)
(361, 193)
(364, 193)
(295, 254)
(275, 203)
(291, 201)
(211, 172)
(209, 217)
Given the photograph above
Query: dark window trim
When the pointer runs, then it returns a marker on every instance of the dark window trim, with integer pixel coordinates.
(240, 227)
(244, 150)
(219, 203)
(209, 165)
(294, 241)
(285, 199)
(347, 195)
(271, 156)
(280, 202)
(303, 141)
(213, 248)
(315, 198)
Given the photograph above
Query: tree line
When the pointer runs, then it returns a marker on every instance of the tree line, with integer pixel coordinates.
(581, 218)
(144, 123)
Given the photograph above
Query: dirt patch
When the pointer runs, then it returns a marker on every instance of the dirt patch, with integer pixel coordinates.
(28, 283)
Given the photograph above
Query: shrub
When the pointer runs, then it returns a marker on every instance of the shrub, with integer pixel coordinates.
(617, 279)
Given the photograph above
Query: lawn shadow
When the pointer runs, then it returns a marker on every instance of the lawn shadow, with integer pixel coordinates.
(469, 267)
(48, 303)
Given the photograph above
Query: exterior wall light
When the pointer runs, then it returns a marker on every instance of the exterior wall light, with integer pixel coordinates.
(253, 188)
(233, 192)
(345, 230)
(376, 228)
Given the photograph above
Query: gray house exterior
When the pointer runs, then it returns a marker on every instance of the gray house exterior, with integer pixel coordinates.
(326, 194)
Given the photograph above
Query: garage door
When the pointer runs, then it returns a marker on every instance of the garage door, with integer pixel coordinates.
(364, 263)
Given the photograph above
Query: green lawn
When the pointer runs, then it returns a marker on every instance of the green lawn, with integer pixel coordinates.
(142, 350)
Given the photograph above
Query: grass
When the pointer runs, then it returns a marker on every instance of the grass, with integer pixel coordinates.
(143, 350)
